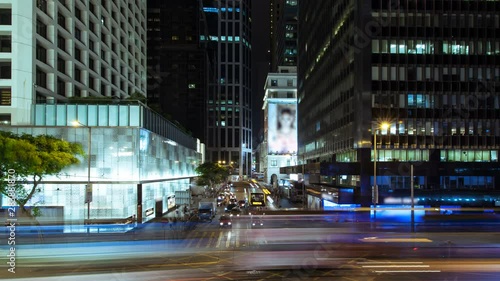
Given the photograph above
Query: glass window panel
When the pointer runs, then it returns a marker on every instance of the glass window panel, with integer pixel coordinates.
(82, 114)
(375, 75)
(61, 116)
(135, 116)
(402, 73)
(411, 156)
(375, 47)
(124, 115)
(113, 115)
(384, 72)
(103, 115)
(393, 47)
(384, 48)
(71, 114)
(494, 155)
(40, 115)
(92, 115)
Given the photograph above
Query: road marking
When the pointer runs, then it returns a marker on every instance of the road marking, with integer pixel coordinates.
(390, 262)
(332, 259)
(405, 271)
(200, 239)
(219, 240)
(212, 236)
(397, 265)
(228, 239)
(237, 240)
(410, 240)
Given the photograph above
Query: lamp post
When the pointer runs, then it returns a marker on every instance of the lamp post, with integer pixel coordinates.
(383, 126)
(412, 200)
(88, 190)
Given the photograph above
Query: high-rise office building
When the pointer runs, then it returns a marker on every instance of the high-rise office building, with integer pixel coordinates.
(179, 63)
(422, 78)
(283, 33)
(229, 121)
(51, 51)
(136, 161)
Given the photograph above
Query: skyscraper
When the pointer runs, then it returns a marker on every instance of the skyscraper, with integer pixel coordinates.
(55, 50)
(430, 70)
(229, 121)
(179, 63)
(283, 33)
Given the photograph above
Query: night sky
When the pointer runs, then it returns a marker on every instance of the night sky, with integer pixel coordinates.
(260, 61)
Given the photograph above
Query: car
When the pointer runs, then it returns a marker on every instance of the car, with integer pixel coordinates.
(236, 212)
(230, 207)
(225, 221)
(257, 223)
(221, 200)
(233, 201)
(242, 203)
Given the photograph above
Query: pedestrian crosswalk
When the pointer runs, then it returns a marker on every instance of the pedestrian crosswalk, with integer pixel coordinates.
(214, 239)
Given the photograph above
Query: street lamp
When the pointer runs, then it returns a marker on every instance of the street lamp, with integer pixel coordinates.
(412, 199)
(382, 126)
(88, 190)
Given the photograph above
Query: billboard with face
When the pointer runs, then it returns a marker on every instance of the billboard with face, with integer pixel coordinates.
(282, 128)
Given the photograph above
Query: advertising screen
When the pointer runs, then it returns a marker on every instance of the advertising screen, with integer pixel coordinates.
(282, 128)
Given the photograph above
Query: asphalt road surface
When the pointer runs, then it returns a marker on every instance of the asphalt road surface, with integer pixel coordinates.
(294, 247)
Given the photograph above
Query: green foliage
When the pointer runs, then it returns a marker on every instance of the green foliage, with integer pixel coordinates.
(138, 97)
(211, 174)
(31, 158)
(91, 100)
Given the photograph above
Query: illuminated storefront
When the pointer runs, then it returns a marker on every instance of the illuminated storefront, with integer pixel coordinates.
(131, 167)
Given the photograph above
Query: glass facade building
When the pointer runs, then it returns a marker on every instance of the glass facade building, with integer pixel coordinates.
(283, 33)
(229, 104)
(134, 171)
(179, 63)
(428, 69)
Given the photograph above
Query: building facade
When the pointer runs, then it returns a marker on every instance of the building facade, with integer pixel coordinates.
(279, 148)
(229, 116)
(138, 161)
(52, 51)
(179, 63)
(283, 33)
(78, 60)
(422, 78)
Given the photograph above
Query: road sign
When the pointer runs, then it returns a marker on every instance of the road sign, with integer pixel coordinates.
(88, 193)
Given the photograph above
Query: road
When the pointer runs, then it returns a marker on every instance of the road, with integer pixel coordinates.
(209, 251)
(286, 247)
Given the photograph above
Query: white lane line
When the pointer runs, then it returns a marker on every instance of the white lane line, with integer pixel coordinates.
(396, 265)
(405, 271)
(390, 262)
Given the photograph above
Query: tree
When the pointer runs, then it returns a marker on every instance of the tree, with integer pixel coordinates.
(28, 159)
(211, 174)
(137, 96)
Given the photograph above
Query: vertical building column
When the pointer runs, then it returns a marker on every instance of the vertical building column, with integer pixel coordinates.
(364, 194)
(139, 202)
